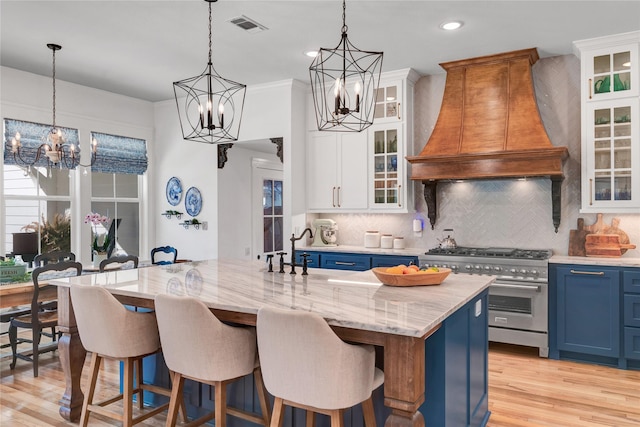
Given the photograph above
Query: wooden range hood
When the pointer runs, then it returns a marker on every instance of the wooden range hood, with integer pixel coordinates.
(489, 127)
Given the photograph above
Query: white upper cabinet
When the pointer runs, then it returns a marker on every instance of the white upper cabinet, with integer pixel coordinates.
(610, 123)
(365, 171)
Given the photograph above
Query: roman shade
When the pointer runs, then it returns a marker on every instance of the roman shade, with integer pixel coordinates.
(119, 154)
(32, 135)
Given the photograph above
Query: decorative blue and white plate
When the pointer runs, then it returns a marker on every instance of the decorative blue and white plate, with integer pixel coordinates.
(174, 191)
(193, 201)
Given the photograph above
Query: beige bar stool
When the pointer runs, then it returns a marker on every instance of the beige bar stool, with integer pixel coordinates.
(306, 365)
(109, 330)
(198, 346)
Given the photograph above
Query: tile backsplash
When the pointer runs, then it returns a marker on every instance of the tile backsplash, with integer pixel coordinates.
(504, 213)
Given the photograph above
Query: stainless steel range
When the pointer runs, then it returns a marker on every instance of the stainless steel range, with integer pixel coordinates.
(518, 299)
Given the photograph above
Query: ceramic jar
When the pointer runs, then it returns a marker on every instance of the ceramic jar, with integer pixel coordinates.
(371, 239)
(398, 243)
(386, 241)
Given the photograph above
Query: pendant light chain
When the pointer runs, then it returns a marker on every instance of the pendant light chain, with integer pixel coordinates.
(210, 43)
(54, 89)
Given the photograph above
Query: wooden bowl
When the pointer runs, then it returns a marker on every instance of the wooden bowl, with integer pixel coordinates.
(416, 279)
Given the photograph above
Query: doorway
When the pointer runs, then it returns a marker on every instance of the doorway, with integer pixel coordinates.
(267, 208)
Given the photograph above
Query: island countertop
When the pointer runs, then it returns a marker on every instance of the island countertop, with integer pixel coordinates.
(346, 299)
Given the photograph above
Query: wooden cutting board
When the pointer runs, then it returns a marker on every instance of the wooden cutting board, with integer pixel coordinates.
(577, 240)
(605, 245)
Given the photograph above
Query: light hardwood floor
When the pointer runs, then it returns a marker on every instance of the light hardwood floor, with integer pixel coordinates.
(524, 391)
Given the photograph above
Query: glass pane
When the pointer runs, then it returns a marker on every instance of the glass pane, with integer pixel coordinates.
(102, 185)
(623, 188)
(392, 196)
(380, 95)
(379, 196)
(392, 141)
(602, 85)
(278, 229)
(621, 81)
(126, 185)
(378, 137)
(601, 64)
(277, 197)
(53, 182)
(392, 93)
(392, 109)
(603, 159)
(19, 215)
(622, 114)
(392, 165)
(602, 117)
(18, 181)
(378, 112)
(55, 230)
(622, 61)
(602, 188)
(622, 153)
(379, 166)
(268, 235)
(267, 197)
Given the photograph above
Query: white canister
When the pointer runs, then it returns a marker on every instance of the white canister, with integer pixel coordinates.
(386, 241)
(371, 239)
(398, 243)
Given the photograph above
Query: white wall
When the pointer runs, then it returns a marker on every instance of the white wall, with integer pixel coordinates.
(26, 96)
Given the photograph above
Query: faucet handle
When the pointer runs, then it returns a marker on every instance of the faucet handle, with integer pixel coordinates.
(282, 254)
(304, 263)
(270, 261)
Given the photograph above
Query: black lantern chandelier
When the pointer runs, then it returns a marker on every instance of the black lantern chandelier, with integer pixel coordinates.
(54, 147)
(209, 106)
(344, 82)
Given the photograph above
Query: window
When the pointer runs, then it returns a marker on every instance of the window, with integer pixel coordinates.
(272, 215)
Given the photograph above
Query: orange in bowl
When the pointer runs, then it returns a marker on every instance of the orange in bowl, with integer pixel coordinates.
(418, 278)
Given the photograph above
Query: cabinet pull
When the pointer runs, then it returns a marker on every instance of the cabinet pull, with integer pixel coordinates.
(399, 118)
(590, 88)
(399, 195)
(588, 273)
(333, 197)
(590, 191)
(344, 263)
(339, 197)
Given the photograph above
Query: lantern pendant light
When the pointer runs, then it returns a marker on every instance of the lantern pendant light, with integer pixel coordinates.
(344, 82)
(209, 106)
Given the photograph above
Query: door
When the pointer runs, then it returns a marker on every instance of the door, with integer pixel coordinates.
(267, 209)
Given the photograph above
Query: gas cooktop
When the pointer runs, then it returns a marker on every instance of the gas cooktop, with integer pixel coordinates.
(493, 252)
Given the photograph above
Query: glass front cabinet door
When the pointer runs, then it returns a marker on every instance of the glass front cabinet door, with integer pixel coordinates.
(387, 186)
(388, 102)
(610, 123)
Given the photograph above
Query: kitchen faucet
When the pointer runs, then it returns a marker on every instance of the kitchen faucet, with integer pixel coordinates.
(293, 247)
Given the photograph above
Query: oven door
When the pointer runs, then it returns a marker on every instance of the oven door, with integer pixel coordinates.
(516, 304)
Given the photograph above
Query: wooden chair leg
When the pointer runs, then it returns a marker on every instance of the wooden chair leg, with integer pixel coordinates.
(262, 397)
(220, 404)
(368, 412)
(310, 419)
(127, 391)
(139, 380)
(88, 398)
(35, 344)
(278, 412)
(336, 418)
(13, 340)
(176, 400)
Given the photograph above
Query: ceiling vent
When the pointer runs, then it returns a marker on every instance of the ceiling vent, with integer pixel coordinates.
(247, 24)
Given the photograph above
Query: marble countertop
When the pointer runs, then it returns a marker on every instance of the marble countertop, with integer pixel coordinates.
(345, 298)
(614, 262)
(363, 250)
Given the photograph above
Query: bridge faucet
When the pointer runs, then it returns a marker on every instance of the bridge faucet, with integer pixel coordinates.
(293, 247)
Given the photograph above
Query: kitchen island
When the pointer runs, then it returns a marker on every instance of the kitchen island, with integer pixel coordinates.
(425, 334)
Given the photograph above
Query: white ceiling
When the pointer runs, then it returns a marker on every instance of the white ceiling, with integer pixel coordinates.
(139, 48)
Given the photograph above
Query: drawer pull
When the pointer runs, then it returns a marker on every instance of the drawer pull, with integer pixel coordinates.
(344, 263)
(588, 273)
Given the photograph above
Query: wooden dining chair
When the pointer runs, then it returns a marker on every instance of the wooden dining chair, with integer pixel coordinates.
(122, 260)
(164, 249)
(52, 257)
(42, 314)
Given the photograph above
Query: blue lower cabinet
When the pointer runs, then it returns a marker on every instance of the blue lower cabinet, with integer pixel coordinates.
(392, 260)
(356, 262)
(313, 260)
(456, 378)
(632, 343)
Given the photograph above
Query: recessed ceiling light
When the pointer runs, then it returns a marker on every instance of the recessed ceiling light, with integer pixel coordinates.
(451, 25)
(311, 53)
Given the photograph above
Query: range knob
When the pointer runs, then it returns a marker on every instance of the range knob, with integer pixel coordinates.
(454, 268)
(467, 267)
(477, 267)
(497, 268)
(513, 271)
(523, 272)
(534, 272)
(487, 267)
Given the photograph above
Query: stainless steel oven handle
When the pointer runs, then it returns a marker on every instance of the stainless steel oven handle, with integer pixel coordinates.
(508, 286)
(589, 273)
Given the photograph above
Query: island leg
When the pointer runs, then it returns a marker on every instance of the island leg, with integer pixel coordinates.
(72, 356)
(404, 385)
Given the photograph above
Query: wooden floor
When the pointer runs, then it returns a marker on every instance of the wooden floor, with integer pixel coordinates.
(524, 391)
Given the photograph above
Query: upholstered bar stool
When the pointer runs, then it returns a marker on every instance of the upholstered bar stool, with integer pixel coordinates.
(198, 346)
(306, 365)
(109, 330)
